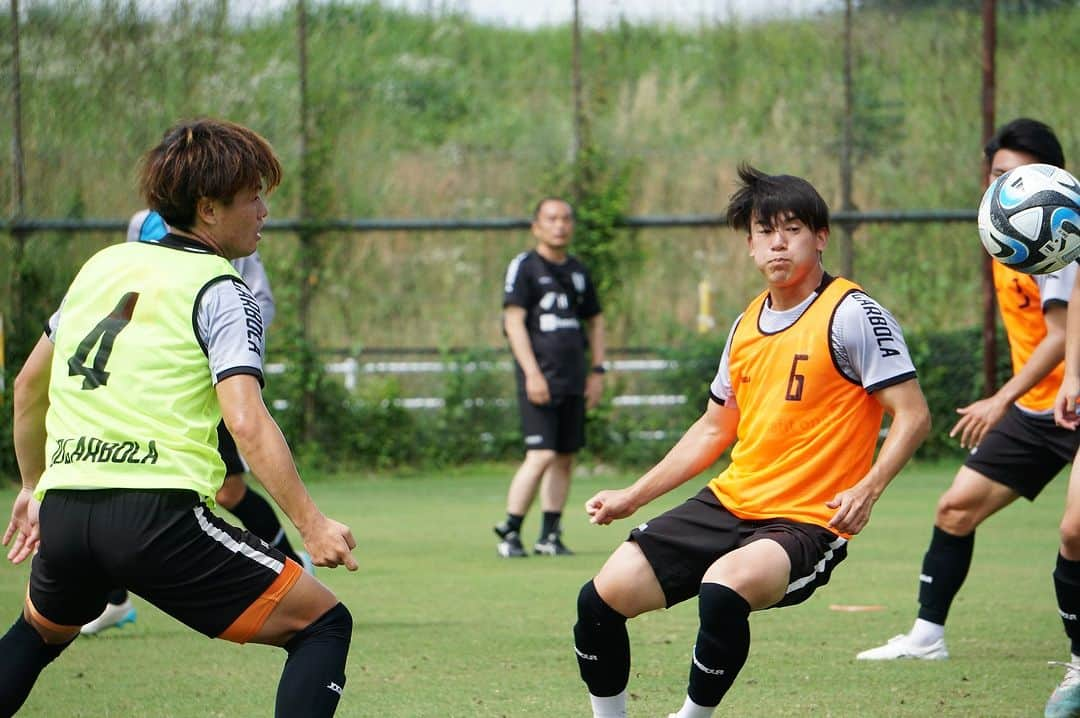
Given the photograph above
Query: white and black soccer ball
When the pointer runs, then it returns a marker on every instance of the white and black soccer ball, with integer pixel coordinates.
(1029, 219)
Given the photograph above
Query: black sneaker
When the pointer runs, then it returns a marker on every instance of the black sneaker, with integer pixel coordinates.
(552, 546)
(510, 545)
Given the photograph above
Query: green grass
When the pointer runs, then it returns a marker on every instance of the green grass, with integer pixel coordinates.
(443, 629)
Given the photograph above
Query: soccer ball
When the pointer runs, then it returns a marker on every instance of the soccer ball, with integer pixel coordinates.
(1029, 219)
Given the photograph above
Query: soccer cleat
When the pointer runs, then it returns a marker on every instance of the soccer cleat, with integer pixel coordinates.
(510, 546)
(552, 545)
(902, 647)
(114, 616)
(306, 562)
(1065, 700)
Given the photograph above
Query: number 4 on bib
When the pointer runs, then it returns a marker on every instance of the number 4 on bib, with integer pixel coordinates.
(105, 330)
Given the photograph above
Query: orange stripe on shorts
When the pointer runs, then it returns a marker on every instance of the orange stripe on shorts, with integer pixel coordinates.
(41, 620)
(252, 619)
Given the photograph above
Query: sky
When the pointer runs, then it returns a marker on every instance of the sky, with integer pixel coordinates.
(595, 13)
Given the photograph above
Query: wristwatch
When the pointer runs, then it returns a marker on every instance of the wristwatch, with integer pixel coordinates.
(599, 369)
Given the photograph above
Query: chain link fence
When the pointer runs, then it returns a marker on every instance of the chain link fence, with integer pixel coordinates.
(415, 144)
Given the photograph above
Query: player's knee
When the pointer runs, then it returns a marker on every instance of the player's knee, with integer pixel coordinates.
(1070, 538)
(540, 458)
(563, 460)
(954, 517)
(594, 610)
(720, 607)
(334, 626)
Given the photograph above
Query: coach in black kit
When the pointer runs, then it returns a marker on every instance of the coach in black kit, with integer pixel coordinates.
(552, 319)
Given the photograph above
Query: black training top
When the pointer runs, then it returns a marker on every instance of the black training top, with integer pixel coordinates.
(557, 299)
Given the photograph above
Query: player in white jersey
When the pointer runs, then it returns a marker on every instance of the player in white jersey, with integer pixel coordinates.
(1015, 447)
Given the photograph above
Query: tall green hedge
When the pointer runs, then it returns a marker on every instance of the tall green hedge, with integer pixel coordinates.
(478, 420)
(370, 428)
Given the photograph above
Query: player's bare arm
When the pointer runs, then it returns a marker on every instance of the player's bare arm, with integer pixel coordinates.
(536, 386)
(1065, 409)
(979, 417)
(906, 405)
(698, 449)
(1065, 406)
(259, 439)
(31, 400)
(594, 384)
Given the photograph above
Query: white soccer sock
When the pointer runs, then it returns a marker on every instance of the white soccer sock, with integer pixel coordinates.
(923, 633)
(609, 706)
(693, 710)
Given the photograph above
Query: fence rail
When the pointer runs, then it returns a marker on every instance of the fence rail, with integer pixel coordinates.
(351, 369)
(32, 226)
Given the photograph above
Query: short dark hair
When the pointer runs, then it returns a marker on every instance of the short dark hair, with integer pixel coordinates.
(1027, 135)
(773, 197)
(204, 158)
(552, 198)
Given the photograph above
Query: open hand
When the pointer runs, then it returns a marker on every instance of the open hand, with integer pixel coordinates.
(23, 527)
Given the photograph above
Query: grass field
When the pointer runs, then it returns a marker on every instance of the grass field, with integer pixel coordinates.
(444, 629)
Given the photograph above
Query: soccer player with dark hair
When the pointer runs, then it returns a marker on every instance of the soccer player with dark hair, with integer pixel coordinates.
(808, 372)
(115, 432)
(250, 507)
(552, 319)
(1016, 448)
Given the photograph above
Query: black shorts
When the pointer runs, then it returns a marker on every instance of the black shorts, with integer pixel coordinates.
(559, 425)
(164, 546)
(1024, 452)
(681, 545)
(226, 447)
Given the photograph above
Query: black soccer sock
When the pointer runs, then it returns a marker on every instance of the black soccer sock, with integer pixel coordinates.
(1067, 588)
(314, 674)
(25, 655)
(259, 518)
(551, 524)
(602, 644)
(945, 566)
(512, 523)
(723, 643)
(117, 596)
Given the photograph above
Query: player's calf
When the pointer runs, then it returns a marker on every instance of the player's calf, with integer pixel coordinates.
(314, 674)
(25, 655)
(723, 643)
(602, 645)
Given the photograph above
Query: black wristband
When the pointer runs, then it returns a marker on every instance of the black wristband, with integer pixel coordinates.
(599, 369)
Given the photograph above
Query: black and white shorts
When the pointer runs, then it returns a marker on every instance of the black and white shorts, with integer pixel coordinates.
(165, 546)
(558, 425)
(681, 545)
(1024, 452)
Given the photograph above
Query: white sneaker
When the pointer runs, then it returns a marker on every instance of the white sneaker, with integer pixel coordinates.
(1065, 700)
(902, 647)
(113, 616)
